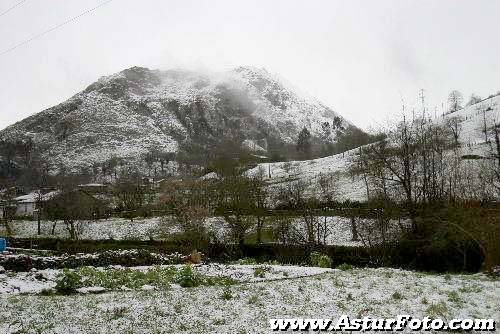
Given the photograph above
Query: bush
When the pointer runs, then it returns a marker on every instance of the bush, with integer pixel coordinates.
(253, 300)
(320, 260)
(187, 278)
(68, 281)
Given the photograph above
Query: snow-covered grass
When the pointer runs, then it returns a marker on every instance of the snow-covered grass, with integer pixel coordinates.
(472, 119)
(113, 228)
(155, 228)
(246, 307)
(280, 174)
(154, 277)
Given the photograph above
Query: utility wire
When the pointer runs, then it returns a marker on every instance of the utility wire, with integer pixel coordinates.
(11, 8)
(74, 18)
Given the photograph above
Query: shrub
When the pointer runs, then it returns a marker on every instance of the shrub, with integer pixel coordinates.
(119, 312)
(68, 281)
(320, 260)
(187, 278)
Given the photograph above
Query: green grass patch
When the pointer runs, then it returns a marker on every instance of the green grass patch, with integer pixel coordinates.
(68, 281)
(345, 267)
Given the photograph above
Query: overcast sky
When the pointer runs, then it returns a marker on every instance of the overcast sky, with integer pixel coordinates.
(358, 57)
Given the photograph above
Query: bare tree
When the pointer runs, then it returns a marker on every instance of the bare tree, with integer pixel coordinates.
(189, 214)
(454, 124)
(311, 229)
(328, 183)
(260, 196)
(236, 203)
(131, 195)
(455, 100)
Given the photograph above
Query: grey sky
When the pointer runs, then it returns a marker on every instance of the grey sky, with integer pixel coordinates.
(359, 57)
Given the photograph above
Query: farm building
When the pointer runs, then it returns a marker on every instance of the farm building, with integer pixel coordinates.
(26, 205)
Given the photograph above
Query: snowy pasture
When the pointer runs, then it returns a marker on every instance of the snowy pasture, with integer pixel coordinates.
(246, 306)
(339, 230)
(281, 174)
(113, 228)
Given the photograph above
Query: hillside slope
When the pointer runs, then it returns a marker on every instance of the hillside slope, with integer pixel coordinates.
(472, 120)
(472, 138)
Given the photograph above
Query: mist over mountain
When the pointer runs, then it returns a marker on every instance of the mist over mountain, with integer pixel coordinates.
(138, 110)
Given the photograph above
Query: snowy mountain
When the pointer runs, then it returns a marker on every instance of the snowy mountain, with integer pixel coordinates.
(128, 114)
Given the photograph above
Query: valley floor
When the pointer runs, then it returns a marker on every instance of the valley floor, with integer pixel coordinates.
(247, 306)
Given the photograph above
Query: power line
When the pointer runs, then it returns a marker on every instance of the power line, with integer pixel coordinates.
(74, 18)
(11, 8)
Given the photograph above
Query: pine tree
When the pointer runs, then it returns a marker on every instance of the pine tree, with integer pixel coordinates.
(304, 143)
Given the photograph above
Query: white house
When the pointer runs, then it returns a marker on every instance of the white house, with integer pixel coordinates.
(27, 205)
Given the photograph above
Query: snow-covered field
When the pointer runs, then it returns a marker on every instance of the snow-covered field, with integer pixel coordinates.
(310, 171)
(42, 281)
(246, 306)
(113, 228)
(339, 229)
